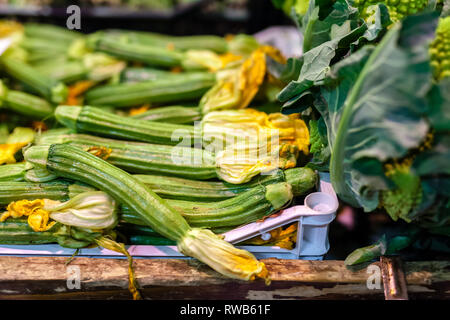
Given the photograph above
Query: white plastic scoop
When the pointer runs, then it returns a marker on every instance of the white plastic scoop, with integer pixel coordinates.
(316, 204)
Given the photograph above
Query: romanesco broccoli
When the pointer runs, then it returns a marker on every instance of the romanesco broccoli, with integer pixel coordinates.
(440, 50)
(398, 9)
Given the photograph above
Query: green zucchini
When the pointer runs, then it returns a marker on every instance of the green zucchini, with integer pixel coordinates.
(35, 58)
(54, 91)
(180, 87)
(121, 48)
(65, 71)
(49, 31)
(18, 232)
(25, 103)
(13, 171)
(197, 42)
(141, 235)
(73, 163)
(32, 44)
(246, 207)
(107, 124)
(301, 180)
(140, 74)
(60, 190)
(137, 157)
(171, 114)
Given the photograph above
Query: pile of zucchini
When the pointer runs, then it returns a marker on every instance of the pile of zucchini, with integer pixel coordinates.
(87, 141)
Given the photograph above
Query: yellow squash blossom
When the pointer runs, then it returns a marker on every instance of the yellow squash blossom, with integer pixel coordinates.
(222, 256)
(248, 142)
(236, 87)
(280, 237)
(8, 150)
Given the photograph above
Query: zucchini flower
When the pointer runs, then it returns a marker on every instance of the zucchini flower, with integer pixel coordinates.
(91, 210)
(87, 218)
(236, 87)
(283, 237)
(12, 34)
(249, 142)
(18, 139)
(222, 256)
(100, 66)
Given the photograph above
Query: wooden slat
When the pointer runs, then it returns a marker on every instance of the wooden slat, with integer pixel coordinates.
(46, 278)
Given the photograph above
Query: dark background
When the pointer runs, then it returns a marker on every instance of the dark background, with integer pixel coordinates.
(219, 17)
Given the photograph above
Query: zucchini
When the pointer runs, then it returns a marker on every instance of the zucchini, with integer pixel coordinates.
(14, 191)
(54, 91)
(136, 157)
(141, 235)
(13, 172)
(49, 31)
(180, 87)
(107, 124)
(41, 45)
(198, 42)
(138, 239)
(70, 162)
(65, 71)
(35, 58)
(140, 74)
(73, 163)
(18, 232)
(119, 47)
(60, 190)
(25, 103)
(301, 180)
(171, 114)
(246, 207)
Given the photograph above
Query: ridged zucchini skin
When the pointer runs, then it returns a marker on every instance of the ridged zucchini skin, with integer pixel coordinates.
(18, 232)
(134, 52)
(42, 45)
(197, 42)
(27, 104)
(102, 123)
(73, 163)
(142, 235)
(54, 91)
(64, 71)
(50, 31)
(12, 172)
(302, 180)
(183, 87)
(136, 157)
(246, 207)
(166, 187)
(141, 74)
(171, 114)
(13, 191)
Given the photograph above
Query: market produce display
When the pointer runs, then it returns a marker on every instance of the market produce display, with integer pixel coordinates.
(374, 76)
(121, 137)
